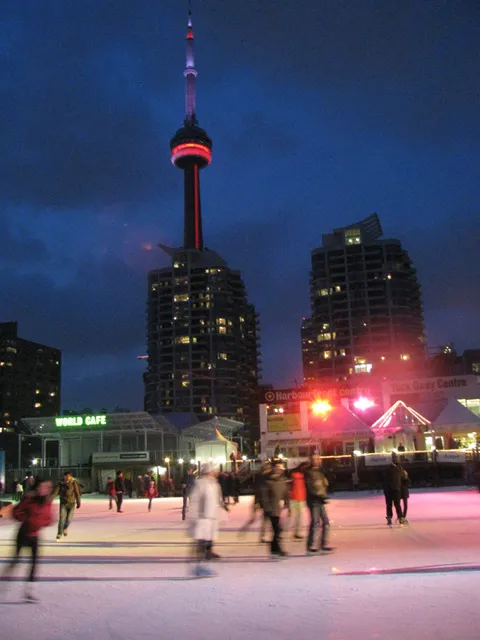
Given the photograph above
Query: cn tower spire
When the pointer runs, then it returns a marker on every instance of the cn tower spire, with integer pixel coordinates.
(191, 149)
(190, 73)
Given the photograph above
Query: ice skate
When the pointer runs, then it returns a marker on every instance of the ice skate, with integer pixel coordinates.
(389, 522)
(327, 549)
(30, 594)
(59, 538)
(199, 571)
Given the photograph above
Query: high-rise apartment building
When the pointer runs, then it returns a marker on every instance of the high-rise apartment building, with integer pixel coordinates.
(366, 309)
(202, 332)
(30, 376)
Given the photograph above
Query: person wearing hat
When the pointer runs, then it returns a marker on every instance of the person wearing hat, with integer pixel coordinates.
(204, 518)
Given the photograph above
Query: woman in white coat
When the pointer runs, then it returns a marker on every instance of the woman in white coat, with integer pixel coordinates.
(204, 517)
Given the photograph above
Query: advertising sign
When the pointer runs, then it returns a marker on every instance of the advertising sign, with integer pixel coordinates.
(284, 422)
(119, 456)
(378, 460)
(81, 421)
(332, 392)
(451, 457)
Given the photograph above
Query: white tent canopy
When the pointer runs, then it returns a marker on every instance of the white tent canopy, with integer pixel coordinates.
(456, 417)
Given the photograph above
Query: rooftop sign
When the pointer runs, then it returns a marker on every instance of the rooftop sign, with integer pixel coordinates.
(309, 395)
(81, 421)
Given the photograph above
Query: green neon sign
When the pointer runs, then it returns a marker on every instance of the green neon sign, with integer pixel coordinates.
(81, 421)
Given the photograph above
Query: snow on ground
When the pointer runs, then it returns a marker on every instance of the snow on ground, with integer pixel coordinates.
(126, 576)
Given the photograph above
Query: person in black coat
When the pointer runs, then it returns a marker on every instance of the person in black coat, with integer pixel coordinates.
(392, 487)
(119, 490)
(405, 494)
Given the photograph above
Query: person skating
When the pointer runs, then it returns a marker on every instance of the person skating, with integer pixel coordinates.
(204, 518)
(68, 490)
(33, 512)
(298, 498)
(187, 488)
(258, 501)
(151, 494)
(119, 490)
(276, 498)
(110, 491)
(392, 487)
(405, 494)
(317, 485)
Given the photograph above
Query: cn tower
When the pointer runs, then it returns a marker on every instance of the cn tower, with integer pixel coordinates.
(202, 333)
(191, 150)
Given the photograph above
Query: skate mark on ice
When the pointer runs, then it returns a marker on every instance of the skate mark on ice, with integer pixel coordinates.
(435, 568)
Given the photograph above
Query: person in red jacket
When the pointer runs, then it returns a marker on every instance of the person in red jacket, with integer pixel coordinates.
(110, 491)
(34, 512)
(298, 500)
(151, 494)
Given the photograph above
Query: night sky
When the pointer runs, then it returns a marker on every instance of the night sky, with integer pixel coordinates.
(321, 112)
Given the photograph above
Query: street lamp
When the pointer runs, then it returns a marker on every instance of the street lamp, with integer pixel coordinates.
(167, 462)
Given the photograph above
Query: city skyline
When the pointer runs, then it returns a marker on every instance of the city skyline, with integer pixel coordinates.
(322, 124)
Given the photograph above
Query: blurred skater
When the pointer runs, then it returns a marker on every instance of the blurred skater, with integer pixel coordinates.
(258, 502)
(276, 498)
(392, 489)
(110, 491)
(298, 498)
(317, 485)
(119, 490)
(69, 492)
(151, 494)
(204, 518)
(187, 488)
(33, 512)
(405, 494)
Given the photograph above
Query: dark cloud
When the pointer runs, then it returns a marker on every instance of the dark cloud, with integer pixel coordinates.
(320, 113)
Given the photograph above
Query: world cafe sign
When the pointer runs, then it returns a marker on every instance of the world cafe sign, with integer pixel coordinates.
(81, 421)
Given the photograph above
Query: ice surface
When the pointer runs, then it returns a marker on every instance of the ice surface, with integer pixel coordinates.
(126, 576)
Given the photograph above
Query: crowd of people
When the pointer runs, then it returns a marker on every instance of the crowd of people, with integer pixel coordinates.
(205, 493)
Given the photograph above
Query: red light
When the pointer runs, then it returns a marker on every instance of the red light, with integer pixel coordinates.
(191, 149)
(362, 403)
(321, 407)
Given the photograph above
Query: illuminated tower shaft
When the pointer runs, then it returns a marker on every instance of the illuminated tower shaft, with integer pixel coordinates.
(191, 151)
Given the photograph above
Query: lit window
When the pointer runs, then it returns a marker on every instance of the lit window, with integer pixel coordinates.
(37, 405)
(181, 297)
(324, 336)
(338, 288)
(363, 368)
(324, 292)
(404, 356)
(342, 352)
(475, 367)
(222, 356)
(221, 321)
(182, 339)
(325, 327)
(185, 383)
(222, 329)
(37, 391)
(327, 355)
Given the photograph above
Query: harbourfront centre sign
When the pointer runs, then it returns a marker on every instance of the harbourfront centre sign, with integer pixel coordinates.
(81, 421)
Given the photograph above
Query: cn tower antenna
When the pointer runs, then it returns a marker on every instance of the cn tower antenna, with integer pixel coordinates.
(190, 73)
(191, 149)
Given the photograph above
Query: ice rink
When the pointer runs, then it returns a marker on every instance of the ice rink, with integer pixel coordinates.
(126, 576)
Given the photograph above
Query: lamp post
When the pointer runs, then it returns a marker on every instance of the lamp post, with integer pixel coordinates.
(167, 462)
